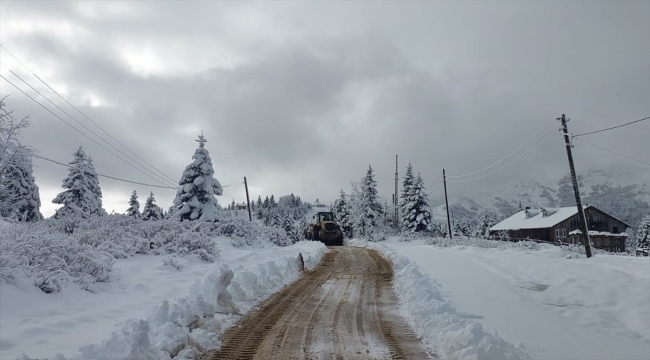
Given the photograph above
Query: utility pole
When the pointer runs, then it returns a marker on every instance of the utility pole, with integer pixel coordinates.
(581, 214)
(444, 180)
(395, 198)
(248, 202)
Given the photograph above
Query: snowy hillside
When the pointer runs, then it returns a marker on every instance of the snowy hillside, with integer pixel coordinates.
(625, 194)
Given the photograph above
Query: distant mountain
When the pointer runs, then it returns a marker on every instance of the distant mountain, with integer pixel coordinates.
(624, 194)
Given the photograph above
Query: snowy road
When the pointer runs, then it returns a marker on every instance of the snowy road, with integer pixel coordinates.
(345, 306)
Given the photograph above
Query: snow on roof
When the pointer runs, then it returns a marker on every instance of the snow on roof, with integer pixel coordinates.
(537, 219)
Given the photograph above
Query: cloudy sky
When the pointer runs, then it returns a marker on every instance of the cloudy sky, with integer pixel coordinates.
(301, 96)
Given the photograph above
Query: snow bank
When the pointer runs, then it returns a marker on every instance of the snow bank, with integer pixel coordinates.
(440, 328)
(560, 308)
(186, 326)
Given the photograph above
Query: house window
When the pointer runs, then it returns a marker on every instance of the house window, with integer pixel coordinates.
(596, 218)
(560, 233)
(615, 230)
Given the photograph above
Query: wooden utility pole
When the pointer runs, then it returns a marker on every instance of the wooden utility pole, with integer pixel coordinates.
(395, 197)
(248, 202)
(581, 214)
(444, 180)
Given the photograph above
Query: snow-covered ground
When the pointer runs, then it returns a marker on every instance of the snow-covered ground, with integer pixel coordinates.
(557, 307)
(106, 325)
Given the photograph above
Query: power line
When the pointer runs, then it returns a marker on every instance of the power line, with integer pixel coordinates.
(67, 123)
(84, 115)
(507, 156)
(98, 174)
(508, 164)
(611, 128)
(614, 152)
(521, 178)
(162, 180)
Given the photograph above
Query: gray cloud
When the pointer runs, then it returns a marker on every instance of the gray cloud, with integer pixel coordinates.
(301, 97)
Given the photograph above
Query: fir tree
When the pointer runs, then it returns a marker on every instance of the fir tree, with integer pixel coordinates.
(259, 201)
(276, 221)
(272, 203)
(370, 206)
(290, 228)
(151, 211)
(407, 191)
(82, 196)
(643, 234)
(134, 206)
(195, 199)
(18, 190)
(485, 222)
(342, 211)
(417, 217)
(265, 205)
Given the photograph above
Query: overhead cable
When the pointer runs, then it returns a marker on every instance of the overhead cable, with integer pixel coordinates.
(508, 164)
(79, 131)
(162, 180)
(84, 115)
(614, 152)
(505, 157)
(611, 128)
(98, 174)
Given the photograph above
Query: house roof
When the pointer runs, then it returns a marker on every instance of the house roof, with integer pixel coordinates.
(538, 220)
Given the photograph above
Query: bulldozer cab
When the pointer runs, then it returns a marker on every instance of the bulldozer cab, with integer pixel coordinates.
(324, 216)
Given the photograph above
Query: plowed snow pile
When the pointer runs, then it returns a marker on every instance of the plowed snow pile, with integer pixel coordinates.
(554, 301)
(153, 311)
(440, 328)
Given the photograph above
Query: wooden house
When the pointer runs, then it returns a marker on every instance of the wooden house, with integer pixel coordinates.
(560, 225)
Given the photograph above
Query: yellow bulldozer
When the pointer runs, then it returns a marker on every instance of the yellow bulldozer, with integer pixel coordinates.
(324, 228)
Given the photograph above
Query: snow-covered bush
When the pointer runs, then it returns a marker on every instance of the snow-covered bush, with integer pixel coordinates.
(243, 232)
(173, 262)
(50, 260)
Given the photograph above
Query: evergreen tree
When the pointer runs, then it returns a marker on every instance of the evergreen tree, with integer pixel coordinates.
(265, 205)
(134, 205)
(462, 227)
(565, 190)
(643, 234)
(195, 199)
(342, 211)
(18, 190)
(485, 222)
(407, 191)
(259, 201)
(417, 214)
(82, 196)
(272, 203)
(151, 211)
(276, 220)
(370, 205)
(290, 228)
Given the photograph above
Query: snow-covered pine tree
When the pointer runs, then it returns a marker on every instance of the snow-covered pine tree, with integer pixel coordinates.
(272, 203)
(485, 222)
(370, 205)
(342, 211)
(462, 227)
(195, 199)
(151, 211)
(643, 234)
(417, 215)
(276, 220)
(95, 189)
(407, 191)
(82, 196)
(18, 190)
(290, 228)
(134, 205)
